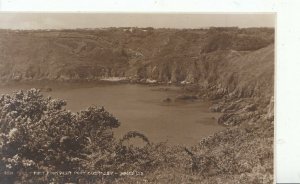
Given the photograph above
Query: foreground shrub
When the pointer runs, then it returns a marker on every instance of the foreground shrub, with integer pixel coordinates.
(39, 134)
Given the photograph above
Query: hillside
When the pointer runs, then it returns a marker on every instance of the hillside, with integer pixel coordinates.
(215, 56)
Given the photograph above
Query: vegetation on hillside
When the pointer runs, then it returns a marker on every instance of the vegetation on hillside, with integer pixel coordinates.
(137, 53)
(39, 135)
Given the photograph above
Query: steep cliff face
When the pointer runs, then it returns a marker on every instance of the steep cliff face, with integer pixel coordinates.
(226, 72)
(231, 61)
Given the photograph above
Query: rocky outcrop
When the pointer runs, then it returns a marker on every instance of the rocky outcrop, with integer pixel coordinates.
(235, 112)
(186, 97)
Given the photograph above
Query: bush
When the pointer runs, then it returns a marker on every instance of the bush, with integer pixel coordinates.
(39, 134)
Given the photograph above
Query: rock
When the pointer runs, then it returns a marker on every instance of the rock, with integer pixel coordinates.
(150, 81)
(186, 97)
(270, 113)
(224, 118)
(230, 108)
(236, 118)
(46, 89)
(251, 107)
(168, 100)
(216, 108)
(229, 119)
(185, 82)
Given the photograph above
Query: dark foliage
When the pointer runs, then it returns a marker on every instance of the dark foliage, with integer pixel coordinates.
(39, 134)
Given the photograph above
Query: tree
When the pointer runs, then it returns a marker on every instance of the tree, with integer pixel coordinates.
(39, 133)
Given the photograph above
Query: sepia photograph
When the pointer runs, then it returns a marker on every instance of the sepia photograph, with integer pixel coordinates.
(137, 98)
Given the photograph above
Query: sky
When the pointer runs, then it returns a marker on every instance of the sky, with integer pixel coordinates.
(157, 20)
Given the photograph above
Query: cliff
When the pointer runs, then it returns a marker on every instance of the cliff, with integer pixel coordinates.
(233, 61)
